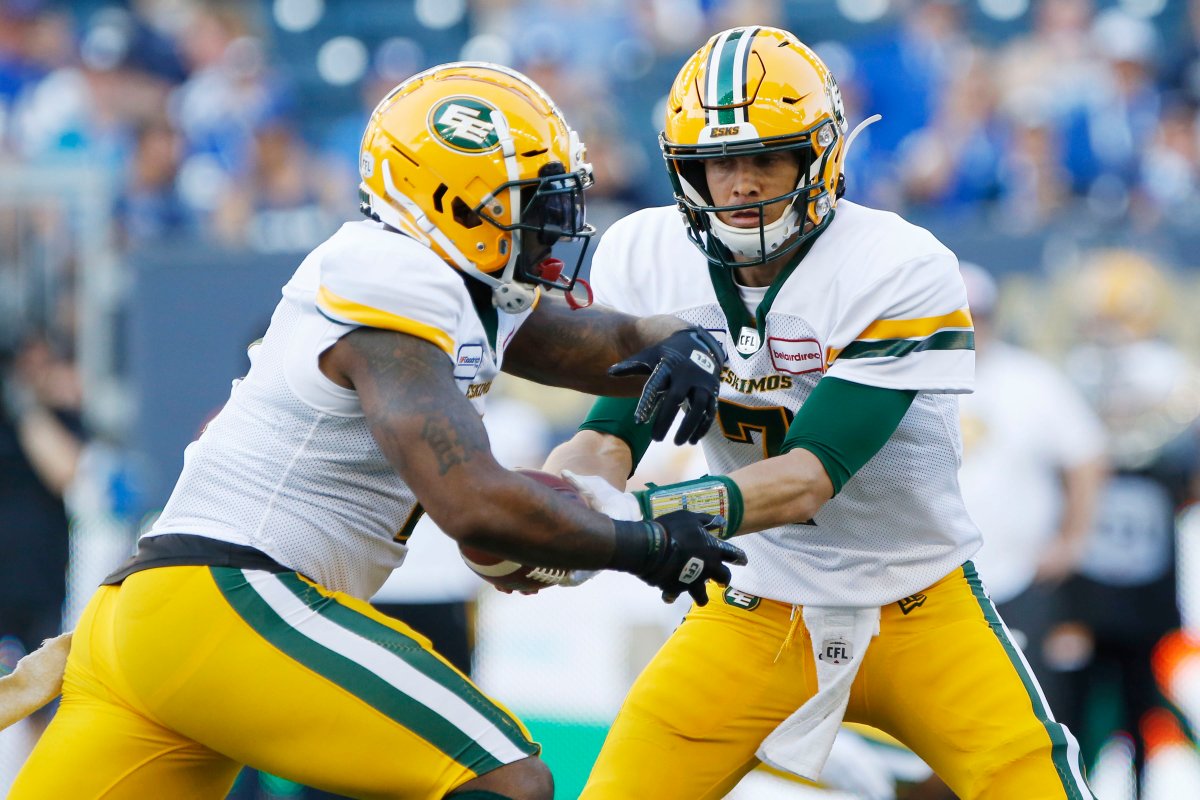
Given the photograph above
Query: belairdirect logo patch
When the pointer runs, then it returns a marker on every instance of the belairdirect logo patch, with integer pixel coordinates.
(466, 124)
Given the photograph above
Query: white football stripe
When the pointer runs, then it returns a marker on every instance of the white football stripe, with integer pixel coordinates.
(390, 667)
(497, 570)
(714, 67)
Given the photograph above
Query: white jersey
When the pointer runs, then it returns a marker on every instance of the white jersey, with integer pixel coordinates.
(289, 466)
(1022, 427)
(876, 301)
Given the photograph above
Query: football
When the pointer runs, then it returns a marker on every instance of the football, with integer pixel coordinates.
(510, 575)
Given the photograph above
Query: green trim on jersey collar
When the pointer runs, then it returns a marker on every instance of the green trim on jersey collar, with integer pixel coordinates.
(485, 309)
(731, 300)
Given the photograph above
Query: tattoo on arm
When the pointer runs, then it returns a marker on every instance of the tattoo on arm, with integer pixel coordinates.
(444, 440)
(409, 394)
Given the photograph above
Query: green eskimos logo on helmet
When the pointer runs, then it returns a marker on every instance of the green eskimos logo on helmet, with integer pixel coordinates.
(465, 124)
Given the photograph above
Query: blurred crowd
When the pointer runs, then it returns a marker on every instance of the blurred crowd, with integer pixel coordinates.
(240, 121)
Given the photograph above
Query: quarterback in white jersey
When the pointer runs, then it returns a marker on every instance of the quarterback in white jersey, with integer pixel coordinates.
(835, 458)
(240, 632)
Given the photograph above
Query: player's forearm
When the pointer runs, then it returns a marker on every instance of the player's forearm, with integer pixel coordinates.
(1082, 485)
(574, 349)
(52, 450)
(593, 453)
(515, 517)
(785, 489)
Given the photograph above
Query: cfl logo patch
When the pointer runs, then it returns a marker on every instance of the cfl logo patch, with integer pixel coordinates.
(704, 362)
(836, 651)
(691, 570)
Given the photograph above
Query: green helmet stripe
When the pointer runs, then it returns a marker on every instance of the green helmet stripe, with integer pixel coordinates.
(726, 85)
(742, 114)
(728, 65)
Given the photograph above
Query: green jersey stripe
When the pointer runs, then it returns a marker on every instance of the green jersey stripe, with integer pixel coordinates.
(895, 348)
(726, 85)
(409, 650)
(351, 676)
(1070, 774)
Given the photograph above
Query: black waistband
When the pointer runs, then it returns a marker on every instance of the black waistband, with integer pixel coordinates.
(187, 550)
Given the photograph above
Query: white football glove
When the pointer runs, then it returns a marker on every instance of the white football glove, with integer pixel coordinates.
(602, 496)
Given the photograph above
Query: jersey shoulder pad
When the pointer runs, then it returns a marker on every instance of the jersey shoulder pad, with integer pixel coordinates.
(373, 277)
(640, 262)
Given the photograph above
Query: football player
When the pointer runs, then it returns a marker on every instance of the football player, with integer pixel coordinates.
(240, 632)
(836, 450)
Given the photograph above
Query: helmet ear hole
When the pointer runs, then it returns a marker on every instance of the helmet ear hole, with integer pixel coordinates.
(437, 197)
(464, 215)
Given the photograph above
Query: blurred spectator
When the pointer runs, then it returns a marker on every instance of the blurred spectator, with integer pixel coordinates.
(1035, 184)
(1124, 598)
(1105, 135)
(901, 75)
(1182, 71)
(39, 451)
(228, 96)
(1171, 167)
(954, 162)
(280, 205)
(1033, 466)
(150, 206)
(1052, 67)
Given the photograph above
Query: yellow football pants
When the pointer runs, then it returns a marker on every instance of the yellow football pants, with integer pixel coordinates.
(180, 675)
(943, 677)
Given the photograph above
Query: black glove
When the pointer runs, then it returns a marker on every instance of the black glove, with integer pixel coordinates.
(685, 371)
(676, 553)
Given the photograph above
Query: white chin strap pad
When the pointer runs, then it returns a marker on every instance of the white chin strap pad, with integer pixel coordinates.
(747, 242)
(513, 298)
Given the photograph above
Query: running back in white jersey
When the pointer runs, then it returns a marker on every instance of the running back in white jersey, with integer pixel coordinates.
(289, 466)
(876, 301)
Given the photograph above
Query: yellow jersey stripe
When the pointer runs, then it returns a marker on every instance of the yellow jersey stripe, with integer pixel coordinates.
(909, 328)
(912, 328)
(349, 310)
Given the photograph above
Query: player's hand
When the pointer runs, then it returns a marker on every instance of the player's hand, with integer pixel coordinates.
(1059, 561)
(685, 372)
(691, 556)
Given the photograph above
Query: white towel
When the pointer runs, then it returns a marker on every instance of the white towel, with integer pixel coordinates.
(840, 637)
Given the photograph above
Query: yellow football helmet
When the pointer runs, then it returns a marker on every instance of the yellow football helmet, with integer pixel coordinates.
(752, 90)
(475, 161)
(1122, 295)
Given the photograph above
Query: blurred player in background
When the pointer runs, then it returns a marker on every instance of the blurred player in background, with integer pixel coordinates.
(240, 632)
(1146, 392)
(1033, 465)
(837, 444)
